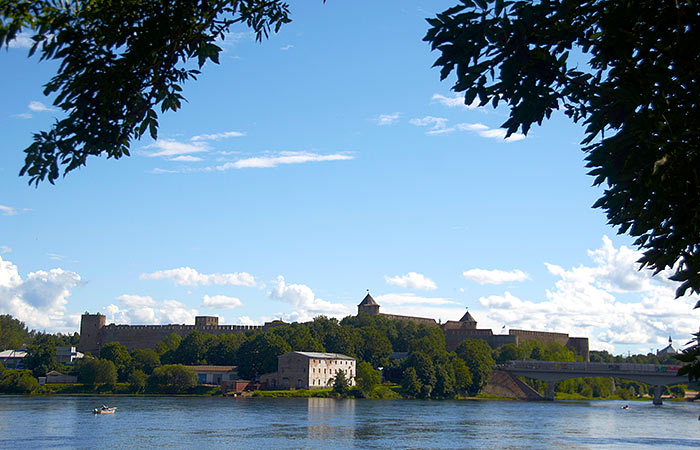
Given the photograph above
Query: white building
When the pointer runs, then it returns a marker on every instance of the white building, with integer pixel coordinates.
(215, 374)
(67, 355)
(311, 370)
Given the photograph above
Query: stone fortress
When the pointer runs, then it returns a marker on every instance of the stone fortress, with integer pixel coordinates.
(94, 332)
(465, 328)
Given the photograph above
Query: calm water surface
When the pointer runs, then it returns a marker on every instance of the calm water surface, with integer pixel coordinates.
(67, 422)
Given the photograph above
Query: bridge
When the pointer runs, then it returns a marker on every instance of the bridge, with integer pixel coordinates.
(553, 371)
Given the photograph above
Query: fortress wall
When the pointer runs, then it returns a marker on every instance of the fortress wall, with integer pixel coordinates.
(544, 337)
(418, 320)
(147, 336)
(454, 336)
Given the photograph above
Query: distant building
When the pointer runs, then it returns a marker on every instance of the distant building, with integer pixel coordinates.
(215, 374)
(55, 377)
(95, 333)
(310, 370)
(668, 350)
(457, 331)
(68, 355)
(12, 359)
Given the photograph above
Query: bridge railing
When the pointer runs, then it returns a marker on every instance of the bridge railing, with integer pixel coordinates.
(559, 366)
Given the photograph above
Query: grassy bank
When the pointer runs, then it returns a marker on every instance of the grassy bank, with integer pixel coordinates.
(118, 389)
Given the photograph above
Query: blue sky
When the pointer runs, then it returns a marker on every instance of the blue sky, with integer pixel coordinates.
(305, 169)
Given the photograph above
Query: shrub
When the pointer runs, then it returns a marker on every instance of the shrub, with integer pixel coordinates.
(97, 371)
(18, 382)
(172, 378)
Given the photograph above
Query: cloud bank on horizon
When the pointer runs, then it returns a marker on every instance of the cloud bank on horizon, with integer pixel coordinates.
(609, 301)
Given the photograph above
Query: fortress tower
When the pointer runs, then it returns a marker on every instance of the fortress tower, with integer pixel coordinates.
(206, 321)
(368, 306)
(91, 326)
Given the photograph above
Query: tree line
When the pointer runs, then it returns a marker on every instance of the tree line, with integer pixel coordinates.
(402, 353)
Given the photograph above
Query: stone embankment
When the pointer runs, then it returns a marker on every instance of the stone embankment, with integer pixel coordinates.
(504, 384)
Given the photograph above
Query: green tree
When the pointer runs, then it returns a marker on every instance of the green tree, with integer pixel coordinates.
(259, 355)
(18, 382)
(477, 356)
(194, 348)
(119, 355)
(224, 351)
(463, 377)
(41, 358)
(634, 86)
(137, 381)
(343, 339)
(167, 348)
(299, 337)
(97, 371)
(172, 378)
(13, 333)
(375, 347)
(410, 383)
(508, 352)
(340, 383)
(146, 48)
(144, 360)
(367, 377)
(444, 381)
(425, 370)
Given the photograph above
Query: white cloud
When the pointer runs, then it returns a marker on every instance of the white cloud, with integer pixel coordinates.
(595, 301)
(4, 249)
(136, 301)
(303, 298)
(287, 47)
(186, 158)
(55, 256)
(281, 158)
(40, 299)
(8, 210)
(387, 119)
(412, 299)
(39, 107)
(217, 136)
(158, 171)
(22, 40)
(187, 276)
(22, 116)
(137, 309)
(455, 101)
(437, 125)
(168, 147)
(483, 276)
(489, 133)
(220, 301)
(412, 280)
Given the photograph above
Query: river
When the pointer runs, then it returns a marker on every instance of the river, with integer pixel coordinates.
(251, 423)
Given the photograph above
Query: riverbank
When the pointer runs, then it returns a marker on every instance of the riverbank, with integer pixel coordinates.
(382, 392)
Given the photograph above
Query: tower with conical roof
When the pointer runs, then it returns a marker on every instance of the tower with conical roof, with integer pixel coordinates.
(468, 321)
(368, 306)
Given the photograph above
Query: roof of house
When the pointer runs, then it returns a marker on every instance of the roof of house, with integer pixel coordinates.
(368, 301)
(213, 368)
(54, 373)
(13, 354)
(323, 355)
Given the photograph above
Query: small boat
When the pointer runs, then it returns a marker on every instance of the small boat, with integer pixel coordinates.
(625, 407)
(104, 410)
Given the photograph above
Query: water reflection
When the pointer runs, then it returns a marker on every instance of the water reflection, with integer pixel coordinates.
(67, 422)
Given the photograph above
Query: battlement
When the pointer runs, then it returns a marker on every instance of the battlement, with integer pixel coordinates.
(94, 333)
